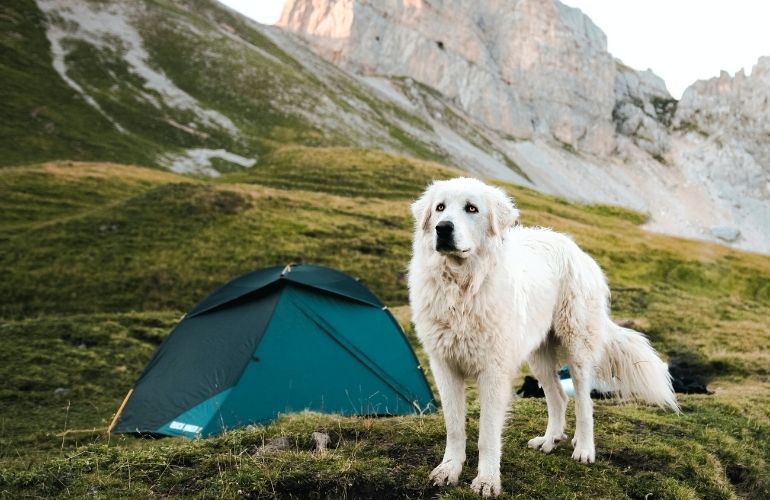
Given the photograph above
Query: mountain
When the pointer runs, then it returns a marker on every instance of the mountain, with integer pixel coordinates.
(194, 87)
(523, 68)
(523, 91)
(579, 123)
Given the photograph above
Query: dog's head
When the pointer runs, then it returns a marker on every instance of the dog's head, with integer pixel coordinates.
(461, 217)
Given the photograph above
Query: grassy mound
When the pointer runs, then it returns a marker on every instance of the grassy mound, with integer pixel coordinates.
(100, 260)
(165, 242)
(643, 452)
(345, 172)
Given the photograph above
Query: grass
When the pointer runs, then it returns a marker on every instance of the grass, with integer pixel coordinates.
(43, 118)
(644, 452)
(64, 372)
(344, 171)
(100, 260)
(127, 254)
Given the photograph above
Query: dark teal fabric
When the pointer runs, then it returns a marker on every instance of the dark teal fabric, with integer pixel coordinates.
(272, 342)
(257, 282)
(357, 364)
(200, 358)
(323, 278)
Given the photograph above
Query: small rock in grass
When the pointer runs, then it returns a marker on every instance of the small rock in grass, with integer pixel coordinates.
(321, 441)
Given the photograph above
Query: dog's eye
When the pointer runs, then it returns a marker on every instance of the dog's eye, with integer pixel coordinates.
(440, 207)
(471, 209)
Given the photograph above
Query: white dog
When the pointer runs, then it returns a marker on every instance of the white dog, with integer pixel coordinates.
(488, 294)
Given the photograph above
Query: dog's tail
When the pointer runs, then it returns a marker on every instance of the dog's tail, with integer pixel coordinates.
(633, 370)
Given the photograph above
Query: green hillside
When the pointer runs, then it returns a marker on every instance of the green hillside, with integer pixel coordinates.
(99, 260)
(223, 64)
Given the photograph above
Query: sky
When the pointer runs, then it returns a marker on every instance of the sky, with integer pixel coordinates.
(680, 40)
(263, 11)
(683, 40)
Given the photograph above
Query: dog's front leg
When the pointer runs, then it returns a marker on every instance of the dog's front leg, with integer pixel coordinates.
(451, 388)
(495, 395)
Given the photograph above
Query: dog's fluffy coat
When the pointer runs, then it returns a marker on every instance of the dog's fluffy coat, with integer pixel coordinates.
(504, 294)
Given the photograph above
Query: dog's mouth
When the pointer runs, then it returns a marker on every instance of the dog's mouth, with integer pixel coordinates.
(446, 245)
(446, 249)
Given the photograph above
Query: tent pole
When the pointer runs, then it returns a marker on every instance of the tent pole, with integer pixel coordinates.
(120, 410)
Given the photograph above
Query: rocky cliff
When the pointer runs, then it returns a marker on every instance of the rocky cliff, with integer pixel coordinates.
(723, 143)
(537, 76)
(503, 62)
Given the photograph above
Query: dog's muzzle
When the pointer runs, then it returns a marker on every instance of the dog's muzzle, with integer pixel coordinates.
(445, 240)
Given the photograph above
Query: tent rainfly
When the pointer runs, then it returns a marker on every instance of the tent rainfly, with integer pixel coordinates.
(273, 341)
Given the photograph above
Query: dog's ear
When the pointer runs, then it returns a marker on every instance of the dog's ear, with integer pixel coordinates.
(502, 212)
(421, 210)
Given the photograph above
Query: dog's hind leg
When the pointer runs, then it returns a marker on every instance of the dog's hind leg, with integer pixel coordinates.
(451, 388)
(582, 369)
(581, 327)
(544, 363)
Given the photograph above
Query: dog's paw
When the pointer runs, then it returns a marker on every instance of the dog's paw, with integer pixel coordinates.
(546, 443)
(584, 453)
(447, 473)
(486, 486)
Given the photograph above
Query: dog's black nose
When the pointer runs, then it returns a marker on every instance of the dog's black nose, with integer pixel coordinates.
(444, 228)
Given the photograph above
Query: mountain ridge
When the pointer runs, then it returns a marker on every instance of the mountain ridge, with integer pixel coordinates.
(192, 86)
(633, 142)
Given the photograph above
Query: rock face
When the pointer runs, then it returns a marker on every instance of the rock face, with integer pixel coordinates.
(731, 108)
(643, 109)
(504, 62)
(536, 76)
(724, 144)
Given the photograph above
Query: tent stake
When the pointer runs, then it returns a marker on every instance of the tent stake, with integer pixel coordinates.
(120, 410)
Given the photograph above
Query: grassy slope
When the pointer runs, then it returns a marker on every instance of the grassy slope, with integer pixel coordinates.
(46, 119)
(99, 260)
(43, 118)
(269, 95)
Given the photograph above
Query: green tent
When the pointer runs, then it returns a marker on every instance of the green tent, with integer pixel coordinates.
(273, 341)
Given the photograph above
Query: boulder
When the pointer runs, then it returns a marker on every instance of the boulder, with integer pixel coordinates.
(726, 233)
